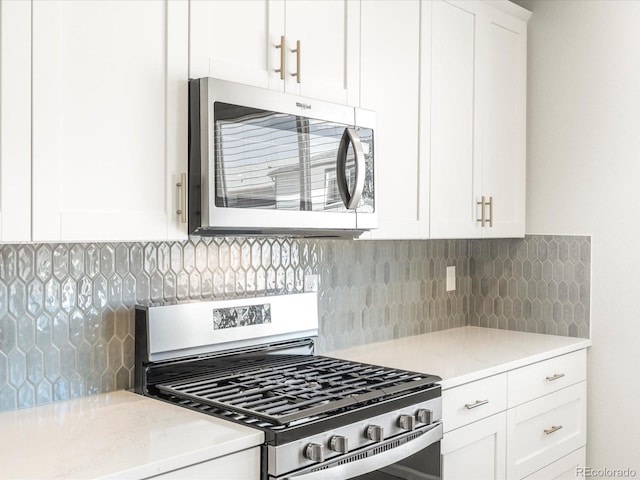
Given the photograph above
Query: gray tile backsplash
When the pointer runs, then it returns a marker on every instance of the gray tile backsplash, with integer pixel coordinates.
(373, 291)
(66, 323)
(537, 284)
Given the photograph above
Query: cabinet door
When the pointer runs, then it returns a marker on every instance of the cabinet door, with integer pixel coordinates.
(546, 429)
(391, 50)
(329, 34)
(475, 451)
(500, 124)
(453, 209)
(236, 41)
(109, 119)
(478, 102)
(15, 121)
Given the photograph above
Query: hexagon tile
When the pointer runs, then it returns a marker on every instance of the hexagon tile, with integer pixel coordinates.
(540, 284)
(379, 290)
(66, 310)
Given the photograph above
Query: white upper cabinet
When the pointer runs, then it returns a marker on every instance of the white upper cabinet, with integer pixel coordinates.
(256, 42)
(501, 121)
(327, 65)
(478, 102)
(235, 41)
(15, 121)
(390, 85)
(452, 90)
(109, 119)
(97, 97)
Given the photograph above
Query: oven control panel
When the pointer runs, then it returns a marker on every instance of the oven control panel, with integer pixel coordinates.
(349, 438)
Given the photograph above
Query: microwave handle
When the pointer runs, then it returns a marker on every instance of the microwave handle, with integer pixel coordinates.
(350, 199)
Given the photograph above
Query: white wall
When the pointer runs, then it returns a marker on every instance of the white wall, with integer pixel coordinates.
(584, 178)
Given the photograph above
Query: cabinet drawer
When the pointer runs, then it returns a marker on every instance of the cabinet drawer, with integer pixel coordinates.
(473, 401)
(546, 429)
(533, 381)
(564, 469)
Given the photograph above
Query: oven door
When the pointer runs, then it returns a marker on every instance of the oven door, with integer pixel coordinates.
(414, 455)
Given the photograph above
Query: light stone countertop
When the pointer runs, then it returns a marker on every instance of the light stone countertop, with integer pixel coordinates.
(462, 355)
(125, 435)
(113, 435)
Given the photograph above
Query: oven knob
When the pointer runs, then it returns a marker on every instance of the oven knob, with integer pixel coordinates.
(407, 422)
(375, 433)
(424, 415)
(314, 452)
(338, 443)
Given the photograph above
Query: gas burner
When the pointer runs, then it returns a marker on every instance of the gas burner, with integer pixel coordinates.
(304, 387)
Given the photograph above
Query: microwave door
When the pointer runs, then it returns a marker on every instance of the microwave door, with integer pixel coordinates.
(276, 171)
(250, 145)
(277, 161)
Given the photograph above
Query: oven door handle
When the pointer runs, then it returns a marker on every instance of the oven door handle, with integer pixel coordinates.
(373, 462)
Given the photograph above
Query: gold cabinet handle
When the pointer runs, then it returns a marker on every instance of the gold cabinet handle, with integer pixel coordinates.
(554, 428)
(282, 57)
(182, 195)
(555, 377)
(482, 218)
(490, 212)
(298, 53)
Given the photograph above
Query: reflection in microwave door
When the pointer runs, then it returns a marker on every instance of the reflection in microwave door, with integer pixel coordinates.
(332, 197)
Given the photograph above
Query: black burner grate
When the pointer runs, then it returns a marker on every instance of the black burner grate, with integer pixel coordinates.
(282, 393)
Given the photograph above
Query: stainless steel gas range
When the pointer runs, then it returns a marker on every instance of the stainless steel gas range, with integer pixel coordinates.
(251, 361)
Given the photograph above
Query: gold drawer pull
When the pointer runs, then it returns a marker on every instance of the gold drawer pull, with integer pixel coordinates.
(476, 404)
(555, 377)
(554, 428)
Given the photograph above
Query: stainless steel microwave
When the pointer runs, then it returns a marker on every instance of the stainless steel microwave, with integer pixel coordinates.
(267, 162)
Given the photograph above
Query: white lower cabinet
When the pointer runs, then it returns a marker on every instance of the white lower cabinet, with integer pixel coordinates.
(476, 450)
(244, 465)
(542, 378)
(529, 422)
(564, 469)
(473, 401)
(545, 429)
